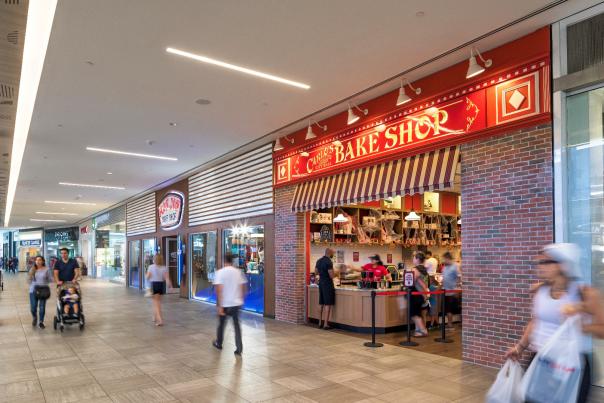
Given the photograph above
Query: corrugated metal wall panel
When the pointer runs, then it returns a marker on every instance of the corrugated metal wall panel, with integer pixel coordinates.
(239, 188)
(140, 216)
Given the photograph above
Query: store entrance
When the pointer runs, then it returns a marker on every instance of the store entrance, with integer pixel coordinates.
(172, 260)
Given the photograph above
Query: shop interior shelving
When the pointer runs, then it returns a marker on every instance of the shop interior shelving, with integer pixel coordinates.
(381, 225)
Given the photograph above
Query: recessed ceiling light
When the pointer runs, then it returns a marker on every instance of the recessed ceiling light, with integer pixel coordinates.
(240, 69)
(52, 213)
(89, 62)
(420, 14)
(157, 157)
(68, 202)
(109, 173)
(172, 124)
(41, 220)
(202, 101)
(40, 16)
(86, 185)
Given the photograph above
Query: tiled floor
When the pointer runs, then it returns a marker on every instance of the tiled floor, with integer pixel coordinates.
(122, 357)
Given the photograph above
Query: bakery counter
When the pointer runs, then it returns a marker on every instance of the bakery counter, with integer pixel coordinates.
(352, 310)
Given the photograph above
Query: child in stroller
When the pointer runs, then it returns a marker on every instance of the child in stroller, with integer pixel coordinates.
(69, 306)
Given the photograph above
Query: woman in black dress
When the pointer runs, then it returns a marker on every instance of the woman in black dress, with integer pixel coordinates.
(327, 291)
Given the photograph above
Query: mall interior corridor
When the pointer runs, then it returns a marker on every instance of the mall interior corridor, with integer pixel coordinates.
(122, 357)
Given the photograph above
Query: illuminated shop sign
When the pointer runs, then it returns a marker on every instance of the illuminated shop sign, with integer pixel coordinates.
(31, 242)
(453, 117)
(170, 210)
(61, 235)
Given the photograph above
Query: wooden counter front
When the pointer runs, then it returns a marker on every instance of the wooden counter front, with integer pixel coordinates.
(353, 309)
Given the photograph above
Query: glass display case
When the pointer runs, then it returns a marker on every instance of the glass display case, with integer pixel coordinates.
(134, 264)
(203, 266)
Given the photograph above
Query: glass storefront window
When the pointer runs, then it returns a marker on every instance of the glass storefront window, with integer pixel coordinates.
(134, 264)
(203, 266)
(585, 193)
(148, 253)
(246, 244)
(110, 253)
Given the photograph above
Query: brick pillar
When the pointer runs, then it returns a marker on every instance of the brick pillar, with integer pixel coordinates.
(507, 209)
(290, 268)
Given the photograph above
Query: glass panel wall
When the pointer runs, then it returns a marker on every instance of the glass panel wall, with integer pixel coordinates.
(134, 264)
(203, 266)
(149, 249)
(585, 193)
(110, 254)
(246, 244)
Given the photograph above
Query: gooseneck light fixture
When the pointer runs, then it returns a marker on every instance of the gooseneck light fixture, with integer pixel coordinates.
(474, 68)
(352, 117)
(309, 133)
(402, 97)
(278, 146)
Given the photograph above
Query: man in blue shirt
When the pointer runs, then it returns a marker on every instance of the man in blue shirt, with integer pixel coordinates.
(66, 269)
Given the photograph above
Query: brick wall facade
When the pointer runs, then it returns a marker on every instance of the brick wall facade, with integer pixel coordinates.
(290, 267)
(507, 209)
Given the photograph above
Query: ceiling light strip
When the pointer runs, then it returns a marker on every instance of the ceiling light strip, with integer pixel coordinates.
(67, 202)
(240, 69)
(52, 213)
(105, 150)
(86, 185)
(40, 16)
(44, 220)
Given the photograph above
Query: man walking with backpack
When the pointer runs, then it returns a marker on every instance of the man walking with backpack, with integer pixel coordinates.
(230, 284)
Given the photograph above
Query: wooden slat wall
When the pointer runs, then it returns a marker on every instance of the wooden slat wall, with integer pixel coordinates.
(239, 188)
(140, 216)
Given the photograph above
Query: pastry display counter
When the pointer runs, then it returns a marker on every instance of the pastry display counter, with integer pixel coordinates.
(352, 310)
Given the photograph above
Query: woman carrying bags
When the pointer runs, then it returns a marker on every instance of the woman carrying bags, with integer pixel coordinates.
(559, 296)
(40, 278)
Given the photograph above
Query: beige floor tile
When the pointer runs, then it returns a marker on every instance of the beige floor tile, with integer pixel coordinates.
(128, 384)
(67, 394)
(343, 375)
(293, 398)
(36, 397)
(211, 394)
(449, 390)
(261, 392)
(301, 383)
(371, 385)
(412, 395)
(115, 372)
(148, 395)
(335, 393)
(19, 388)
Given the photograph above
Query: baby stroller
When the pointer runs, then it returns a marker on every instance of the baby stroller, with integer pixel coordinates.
(61, 318)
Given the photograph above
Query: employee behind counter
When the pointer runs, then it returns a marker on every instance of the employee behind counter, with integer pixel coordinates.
(372, 272)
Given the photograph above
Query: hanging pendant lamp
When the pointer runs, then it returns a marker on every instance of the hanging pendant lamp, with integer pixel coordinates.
(412, 216)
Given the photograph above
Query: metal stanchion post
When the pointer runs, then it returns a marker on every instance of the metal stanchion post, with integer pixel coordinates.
(443, 331)
(408, 342)
(372, 343)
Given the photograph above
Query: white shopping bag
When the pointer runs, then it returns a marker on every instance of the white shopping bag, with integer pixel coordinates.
(506, 388)
(555, 373)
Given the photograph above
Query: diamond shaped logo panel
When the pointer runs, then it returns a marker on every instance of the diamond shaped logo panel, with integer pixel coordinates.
(518, 98)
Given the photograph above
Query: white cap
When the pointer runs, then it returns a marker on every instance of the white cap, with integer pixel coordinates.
(568, 255)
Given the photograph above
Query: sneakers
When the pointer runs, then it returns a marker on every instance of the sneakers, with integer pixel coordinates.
(41, 325)
(238, 353)
(34, 321)
(215, 344)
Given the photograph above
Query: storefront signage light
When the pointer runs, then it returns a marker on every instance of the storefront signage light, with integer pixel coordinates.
(512, 96)
(170, 210)
(31, 242)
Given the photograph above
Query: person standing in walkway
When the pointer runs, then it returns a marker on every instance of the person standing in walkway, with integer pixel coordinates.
(66, 269)
(230, 284)
(39, 290)
(327, 291)
(158, 278)
(558, 296)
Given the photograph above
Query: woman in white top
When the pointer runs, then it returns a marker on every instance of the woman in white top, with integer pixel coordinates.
(157, 275)
(560, 295)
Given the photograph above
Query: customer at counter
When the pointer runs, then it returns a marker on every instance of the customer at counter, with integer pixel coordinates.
(376, 267)
(451, 277)
(327, 292)
(419, 302)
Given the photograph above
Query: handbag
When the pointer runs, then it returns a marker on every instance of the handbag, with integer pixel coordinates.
(42, 291)
(555, 373)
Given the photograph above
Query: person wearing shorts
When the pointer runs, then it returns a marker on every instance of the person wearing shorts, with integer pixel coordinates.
(157, 276)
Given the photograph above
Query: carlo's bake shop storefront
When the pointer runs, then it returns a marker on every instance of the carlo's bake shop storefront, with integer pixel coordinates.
(458, 161)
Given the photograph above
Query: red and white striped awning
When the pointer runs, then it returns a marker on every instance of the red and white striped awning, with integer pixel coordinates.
(417, 174)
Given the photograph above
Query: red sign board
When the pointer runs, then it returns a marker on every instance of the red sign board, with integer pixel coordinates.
(451, 118)
(170, 210)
